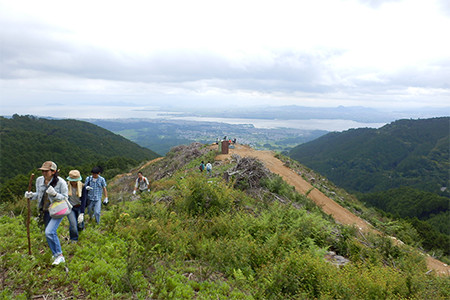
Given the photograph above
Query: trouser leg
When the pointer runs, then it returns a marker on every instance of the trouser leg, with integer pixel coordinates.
(52, 236)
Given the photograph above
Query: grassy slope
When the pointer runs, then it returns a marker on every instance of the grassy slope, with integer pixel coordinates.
(203, 237)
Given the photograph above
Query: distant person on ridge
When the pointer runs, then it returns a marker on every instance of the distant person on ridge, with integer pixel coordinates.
(209, 168)
(49, 188)
(141, 184)
(77, 197)
(202, 166)
(96, 186)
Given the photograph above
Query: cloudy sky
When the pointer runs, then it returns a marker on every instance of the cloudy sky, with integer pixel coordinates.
(107, 56)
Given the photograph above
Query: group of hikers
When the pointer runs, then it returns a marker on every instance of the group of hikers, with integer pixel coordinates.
(87, 196)
(208, 167)
(230, 141)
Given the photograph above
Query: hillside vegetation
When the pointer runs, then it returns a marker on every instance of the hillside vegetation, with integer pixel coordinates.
(27, 141)
(242, 233)
(411, 153)
(401, 169)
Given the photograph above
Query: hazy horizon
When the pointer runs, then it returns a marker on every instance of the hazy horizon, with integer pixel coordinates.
(110, 55)
(332, 119)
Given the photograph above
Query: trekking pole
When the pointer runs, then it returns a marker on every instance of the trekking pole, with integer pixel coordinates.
(29, 214)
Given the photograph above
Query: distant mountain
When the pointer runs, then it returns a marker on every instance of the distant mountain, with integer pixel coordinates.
(411, 153)
(27, 141)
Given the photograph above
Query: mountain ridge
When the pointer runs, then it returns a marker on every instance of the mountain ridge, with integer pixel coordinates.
(369, 160)
(27, 141)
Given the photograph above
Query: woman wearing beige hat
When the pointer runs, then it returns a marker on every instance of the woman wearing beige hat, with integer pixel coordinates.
(77, 197)
(50, 187)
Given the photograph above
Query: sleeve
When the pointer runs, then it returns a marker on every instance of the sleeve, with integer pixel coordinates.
(136, 184)
(62, 191)
(35, 194)
(146, 180)
(38, 185)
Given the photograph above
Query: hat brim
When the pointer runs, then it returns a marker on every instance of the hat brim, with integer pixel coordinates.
(74, 179)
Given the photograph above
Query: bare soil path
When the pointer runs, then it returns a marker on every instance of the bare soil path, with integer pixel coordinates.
(329, 206)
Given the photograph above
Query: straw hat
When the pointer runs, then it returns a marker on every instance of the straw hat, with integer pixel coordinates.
(74, 175)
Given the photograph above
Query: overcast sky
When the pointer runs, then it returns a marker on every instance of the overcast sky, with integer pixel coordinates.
(389, 54)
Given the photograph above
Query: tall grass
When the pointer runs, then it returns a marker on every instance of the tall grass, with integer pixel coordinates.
(199, 238)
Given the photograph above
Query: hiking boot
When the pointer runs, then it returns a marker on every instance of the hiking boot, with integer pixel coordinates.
(58, 260)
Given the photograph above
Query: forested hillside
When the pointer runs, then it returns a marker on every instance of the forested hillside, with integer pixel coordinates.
(27, 141)
(401, 168)
(411, 153)
(240, 232)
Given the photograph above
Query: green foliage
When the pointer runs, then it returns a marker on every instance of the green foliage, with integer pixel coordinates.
(28, 141)
(401, 169)
(201, 196)
(404, 153)
(416, 207)
(441, 222)
(200, 238)
(407, 202)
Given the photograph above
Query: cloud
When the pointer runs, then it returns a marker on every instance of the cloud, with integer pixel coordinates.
(325, 52)
(444, 6)
(377, 3)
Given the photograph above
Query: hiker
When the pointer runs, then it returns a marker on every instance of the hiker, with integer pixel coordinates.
(141, 183)
(208, 168)
(77, 197)
(202, 166)
(49, 188)
(96, 186)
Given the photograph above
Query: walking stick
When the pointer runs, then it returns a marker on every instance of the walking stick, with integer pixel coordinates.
(29, 214)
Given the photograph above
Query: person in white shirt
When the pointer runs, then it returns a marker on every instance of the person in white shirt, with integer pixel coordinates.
(209, 168)
(141, 184)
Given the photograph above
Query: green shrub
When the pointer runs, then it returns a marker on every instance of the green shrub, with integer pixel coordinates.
(201, 196)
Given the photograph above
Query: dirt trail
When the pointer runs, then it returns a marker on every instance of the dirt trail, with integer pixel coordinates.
(339, 213)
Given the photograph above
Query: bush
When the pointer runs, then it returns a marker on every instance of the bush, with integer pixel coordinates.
(201, 196)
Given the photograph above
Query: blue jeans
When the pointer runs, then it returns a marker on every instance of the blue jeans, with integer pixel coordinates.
(73, 223)
(95, 207)
(52, 236)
